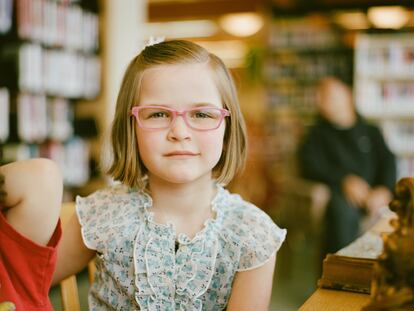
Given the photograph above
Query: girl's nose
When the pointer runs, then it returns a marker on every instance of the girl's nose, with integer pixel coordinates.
(179, 130)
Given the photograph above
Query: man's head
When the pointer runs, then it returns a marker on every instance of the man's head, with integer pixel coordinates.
(335, 102)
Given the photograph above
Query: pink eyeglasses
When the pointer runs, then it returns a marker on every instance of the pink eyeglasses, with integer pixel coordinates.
(159, 117)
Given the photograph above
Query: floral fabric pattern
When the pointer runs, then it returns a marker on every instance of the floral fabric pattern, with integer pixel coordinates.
(138, 267)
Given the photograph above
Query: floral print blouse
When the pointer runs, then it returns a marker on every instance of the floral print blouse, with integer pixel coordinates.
(138, 267)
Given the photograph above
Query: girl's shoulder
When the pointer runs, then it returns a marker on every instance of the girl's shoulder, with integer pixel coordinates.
(110, 211)
(110, 203)
(251, 229)
(235, 209)
(117, 194)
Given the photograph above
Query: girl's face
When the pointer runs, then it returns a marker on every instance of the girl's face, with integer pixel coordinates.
(180, 154)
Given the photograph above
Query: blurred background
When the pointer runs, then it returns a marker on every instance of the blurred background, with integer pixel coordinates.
(61, 62)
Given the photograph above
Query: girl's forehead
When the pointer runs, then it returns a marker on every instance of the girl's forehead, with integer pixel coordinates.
(185, 69)
(182, 83)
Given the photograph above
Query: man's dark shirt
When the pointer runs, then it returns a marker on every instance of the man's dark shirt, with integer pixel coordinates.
(330, 153)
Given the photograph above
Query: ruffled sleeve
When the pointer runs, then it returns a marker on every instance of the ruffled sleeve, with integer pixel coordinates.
(260, 240)
(107, 214)
(87, 210)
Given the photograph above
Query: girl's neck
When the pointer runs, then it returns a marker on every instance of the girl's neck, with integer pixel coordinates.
(178, 200)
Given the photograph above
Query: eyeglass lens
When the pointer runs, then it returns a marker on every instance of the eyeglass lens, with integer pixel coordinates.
(203, 118)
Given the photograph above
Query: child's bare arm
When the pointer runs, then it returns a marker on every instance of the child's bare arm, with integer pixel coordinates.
(252, 289)
(33, 196)
(73, 255)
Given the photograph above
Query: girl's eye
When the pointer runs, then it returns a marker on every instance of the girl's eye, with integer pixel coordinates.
(158, 114)
(203, 114)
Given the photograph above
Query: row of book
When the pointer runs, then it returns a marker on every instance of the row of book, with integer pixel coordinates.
(301, 33)
(57, 72)
(387, 98)
(395, 59)
(299, 98)
(40, 118)
(60, 24)
(305, 68)
(72, 157)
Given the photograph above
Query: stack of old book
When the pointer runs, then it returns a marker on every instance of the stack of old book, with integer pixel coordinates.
(352, 267)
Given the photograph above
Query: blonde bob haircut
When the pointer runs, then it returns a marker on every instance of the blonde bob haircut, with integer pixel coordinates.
(126, 165)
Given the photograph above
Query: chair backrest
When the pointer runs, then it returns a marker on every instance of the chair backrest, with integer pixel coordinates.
(69, 286)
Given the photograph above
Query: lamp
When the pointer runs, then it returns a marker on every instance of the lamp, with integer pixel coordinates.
(393, 17)
(241, 24)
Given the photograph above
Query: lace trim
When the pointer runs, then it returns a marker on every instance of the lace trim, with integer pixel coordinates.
(164, 280)
(182, 237)
(168, 280)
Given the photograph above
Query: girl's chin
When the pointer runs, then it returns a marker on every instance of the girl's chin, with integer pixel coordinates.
(182, 178)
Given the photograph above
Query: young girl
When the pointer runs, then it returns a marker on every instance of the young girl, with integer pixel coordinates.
(30, 200)
(170, 237)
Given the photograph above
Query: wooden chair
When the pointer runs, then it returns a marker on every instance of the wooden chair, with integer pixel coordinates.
(300, 208)
(303, 204)
(69, 286)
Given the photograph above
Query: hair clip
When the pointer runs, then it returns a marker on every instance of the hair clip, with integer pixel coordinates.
(154, 40)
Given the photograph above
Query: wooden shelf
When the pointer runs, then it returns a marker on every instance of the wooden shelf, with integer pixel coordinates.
(388, 76)
(47, 68)
(383, 86)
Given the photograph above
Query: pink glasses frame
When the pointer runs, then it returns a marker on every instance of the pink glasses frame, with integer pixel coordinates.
(135, 110)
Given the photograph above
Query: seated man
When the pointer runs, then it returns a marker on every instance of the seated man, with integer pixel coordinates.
(30, 200)
(351, 157)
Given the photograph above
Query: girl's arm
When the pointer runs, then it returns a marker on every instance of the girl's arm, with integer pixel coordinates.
(33, 197)
(73, 255)
(252, 289)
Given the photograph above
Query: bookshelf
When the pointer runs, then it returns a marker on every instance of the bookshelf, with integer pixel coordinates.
(301, 50)
(384, 90)
(49, 55)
